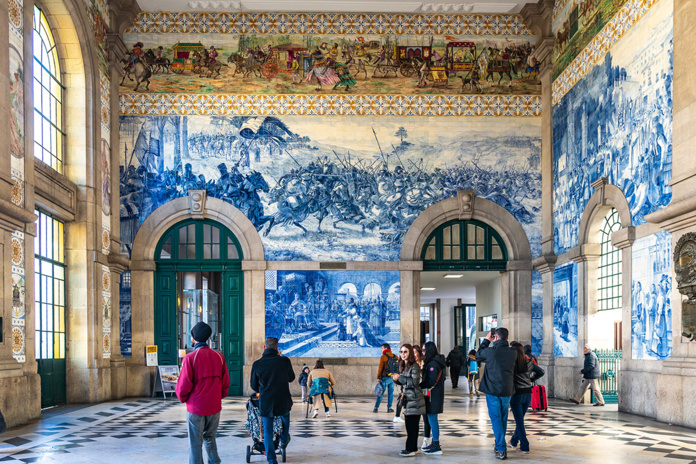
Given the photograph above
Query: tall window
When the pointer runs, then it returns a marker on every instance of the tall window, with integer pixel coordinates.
(48, 96)
(609, 264)
(49, 288)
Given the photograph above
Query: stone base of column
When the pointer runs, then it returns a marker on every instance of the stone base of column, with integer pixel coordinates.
(20, 397)
(118, 378)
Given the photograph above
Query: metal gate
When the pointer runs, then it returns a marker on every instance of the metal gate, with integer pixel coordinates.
(609, 366)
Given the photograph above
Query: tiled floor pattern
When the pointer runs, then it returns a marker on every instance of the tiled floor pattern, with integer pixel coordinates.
(151, 431)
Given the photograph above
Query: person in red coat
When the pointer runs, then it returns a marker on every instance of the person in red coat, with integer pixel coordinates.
(203, 383)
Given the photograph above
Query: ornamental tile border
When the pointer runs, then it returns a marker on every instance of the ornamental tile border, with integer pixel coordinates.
(612, 32)
(326, 23)
(329, 105)
(106, 312)
(557, 7)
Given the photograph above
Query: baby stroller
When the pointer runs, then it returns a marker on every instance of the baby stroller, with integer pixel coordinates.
(255, 428)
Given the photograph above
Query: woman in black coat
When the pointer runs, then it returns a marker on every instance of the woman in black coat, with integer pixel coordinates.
(434, 373)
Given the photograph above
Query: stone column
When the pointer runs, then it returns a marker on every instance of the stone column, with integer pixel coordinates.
(545, 265)
(410, 305)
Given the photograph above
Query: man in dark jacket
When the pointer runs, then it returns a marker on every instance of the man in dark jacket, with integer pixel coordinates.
(455, 361)
(498, 383)
(590, 373)
(271, 377)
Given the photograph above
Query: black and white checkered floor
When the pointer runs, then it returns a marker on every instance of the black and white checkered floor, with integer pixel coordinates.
(151, 431)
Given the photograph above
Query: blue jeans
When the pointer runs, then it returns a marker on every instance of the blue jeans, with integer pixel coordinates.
(268, 436)
(434, 426)
(519, 405)
(202, 429)
(388, 384)
(498, 407)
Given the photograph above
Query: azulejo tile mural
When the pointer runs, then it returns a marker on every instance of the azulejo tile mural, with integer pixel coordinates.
(565, 311)
(316, 189)
(596, 45)
(333, 313)
(651, 315)
(537, 313)
(330, 105)
(617, 123)
(328, 23)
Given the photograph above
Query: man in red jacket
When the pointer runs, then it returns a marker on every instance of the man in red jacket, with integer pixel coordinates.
(203, 383)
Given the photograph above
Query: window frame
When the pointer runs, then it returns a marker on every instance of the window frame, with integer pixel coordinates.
(609, 266)
(47, 80)
(465, 262)
(41, 301)
(198, 259)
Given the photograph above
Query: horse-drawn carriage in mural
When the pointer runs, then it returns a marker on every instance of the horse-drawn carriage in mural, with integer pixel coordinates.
(184, 56)
(280, 59)
(459, 57)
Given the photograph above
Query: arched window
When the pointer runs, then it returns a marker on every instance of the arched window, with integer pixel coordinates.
(48, 96)
(464, 245)
(609, 289)
(194, 241)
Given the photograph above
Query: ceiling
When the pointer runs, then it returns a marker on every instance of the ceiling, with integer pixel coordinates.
(332, 6)
(464, 287)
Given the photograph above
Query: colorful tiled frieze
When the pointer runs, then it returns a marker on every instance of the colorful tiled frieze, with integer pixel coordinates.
(106, 312)
(16, 82)
(105, 87)
(330, 105)
(327, 23)
(18, 298)
(614, 30)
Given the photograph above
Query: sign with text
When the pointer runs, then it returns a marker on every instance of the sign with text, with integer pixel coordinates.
(151, 355)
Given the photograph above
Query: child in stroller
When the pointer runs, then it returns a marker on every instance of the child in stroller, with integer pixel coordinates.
(255, 428)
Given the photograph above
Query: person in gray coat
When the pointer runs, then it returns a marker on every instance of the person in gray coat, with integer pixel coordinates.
(410, 378)
(590, 373)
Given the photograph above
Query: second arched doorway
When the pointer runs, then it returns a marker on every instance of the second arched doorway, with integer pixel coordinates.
(198, 277)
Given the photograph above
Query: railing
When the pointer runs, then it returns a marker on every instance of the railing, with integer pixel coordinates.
(609, 366)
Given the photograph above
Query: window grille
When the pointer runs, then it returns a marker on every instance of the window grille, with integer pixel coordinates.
(609, 288)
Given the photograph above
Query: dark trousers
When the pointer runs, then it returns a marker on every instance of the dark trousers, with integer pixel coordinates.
(519, 403)
(398, 406)
(412, 427)
(454, 374)
(426, 426)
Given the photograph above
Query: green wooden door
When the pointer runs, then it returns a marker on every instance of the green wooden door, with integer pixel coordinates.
(233, 327)
(52, 374)
(165, 317)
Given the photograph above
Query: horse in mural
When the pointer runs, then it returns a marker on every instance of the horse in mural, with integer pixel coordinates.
(138, 70)
(157, 64)
(504, 67)
(244, 65)
(203, 63)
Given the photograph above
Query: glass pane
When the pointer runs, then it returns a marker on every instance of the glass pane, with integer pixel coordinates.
(446, 235)
(479, 235)
(191, 233)
(479, 252)
(182, 235)
(61, 355)
(166, 251)
(207, 253)
(232, 252)
(216, 251)
(456, 253)
(430, 253)
(470, 233)
(37, 344)
(471, 252)
(455, 234)
(61, 315)
(216, 235)
(446, 253)
(191, 252)
(496, 252)
(182, 251)
(206, 233)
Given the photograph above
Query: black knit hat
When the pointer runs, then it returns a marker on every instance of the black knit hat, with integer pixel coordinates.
(201, 332)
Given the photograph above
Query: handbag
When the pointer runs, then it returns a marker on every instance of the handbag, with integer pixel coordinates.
(426, 391)
(402, 400)
(379, 388)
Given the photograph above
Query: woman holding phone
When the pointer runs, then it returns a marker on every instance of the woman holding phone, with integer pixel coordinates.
(409, 378)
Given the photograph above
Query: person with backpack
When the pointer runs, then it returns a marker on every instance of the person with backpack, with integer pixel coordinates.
(522, 399)
(434, 375)
(388, 364)
(302, 380)
(455, 361)
(473, 367)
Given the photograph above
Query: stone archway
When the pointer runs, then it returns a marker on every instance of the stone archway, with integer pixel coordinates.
(516, 308)
(196, 206)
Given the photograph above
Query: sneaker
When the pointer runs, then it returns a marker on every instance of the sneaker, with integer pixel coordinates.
(478, 395)
(426, 444)
(328, 414)
(397, 419)
(501, 456)
(510, 445)
(573, 400)
(375, 410)
(284, 444)
(316, 413)
(598, 404)
(523, 451)
(390, 410)
(434, 449)
(406, 453)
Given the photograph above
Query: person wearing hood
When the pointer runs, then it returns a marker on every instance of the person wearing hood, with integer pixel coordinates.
(455, 361)
(434, 375)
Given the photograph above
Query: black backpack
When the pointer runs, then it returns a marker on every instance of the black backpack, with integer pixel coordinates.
(392, 365)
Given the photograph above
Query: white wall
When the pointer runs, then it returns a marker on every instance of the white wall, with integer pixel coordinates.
(600, 328)
(488, 301)
(447, 324)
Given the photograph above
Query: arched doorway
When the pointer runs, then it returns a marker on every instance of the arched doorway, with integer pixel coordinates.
(198, 277)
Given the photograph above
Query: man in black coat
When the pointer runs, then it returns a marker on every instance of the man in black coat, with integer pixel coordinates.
(590, 373)
(271, 377)
(455, 361)
(498, 383)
